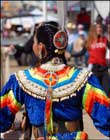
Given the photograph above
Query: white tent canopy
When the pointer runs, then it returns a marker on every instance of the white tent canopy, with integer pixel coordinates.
(29, 21)
(39, 16)
(103, 8)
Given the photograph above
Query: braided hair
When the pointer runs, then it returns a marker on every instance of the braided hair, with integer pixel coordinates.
(45, 34)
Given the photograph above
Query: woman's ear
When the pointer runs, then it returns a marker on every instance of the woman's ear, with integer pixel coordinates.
(43, 49)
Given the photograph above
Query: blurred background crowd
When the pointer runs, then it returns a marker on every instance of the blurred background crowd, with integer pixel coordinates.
(85, 20)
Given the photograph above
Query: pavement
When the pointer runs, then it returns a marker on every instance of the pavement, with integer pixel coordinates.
(18, 135)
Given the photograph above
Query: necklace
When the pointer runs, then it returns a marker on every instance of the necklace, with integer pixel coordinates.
(53, 68)
(54, 65)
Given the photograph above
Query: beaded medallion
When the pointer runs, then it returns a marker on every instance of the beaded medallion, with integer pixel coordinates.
(50, 79)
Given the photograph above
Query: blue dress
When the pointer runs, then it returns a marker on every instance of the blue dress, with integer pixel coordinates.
(73, 90)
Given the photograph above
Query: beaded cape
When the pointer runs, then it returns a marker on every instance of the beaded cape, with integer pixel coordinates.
(64, 80)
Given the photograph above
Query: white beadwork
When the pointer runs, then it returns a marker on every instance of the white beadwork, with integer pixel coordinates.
(61, 93)
(51, 67)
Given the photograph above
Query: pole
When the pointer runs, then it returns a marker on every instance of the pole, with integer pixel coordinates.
(45, 10)
(92, 11)
(62, 12)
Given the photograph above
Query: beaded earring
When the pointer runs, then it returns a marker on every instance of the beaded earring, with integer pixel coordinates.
(40, 55)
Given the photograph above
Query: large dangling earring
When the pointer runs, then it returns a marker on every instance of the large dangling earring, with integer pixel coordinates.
(40, 52)
(40, 55)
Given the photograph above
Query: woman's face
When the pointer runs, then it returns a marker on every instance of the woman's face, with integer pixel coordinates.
(99, 29)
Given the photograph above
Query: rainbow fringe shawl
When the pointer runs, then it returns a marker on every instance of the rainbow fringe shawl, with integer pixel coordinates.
(48, 126)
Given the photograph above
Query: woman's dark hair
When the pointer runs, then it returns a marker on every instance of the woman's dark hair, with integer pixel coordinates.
(99, 19)
(45, 34)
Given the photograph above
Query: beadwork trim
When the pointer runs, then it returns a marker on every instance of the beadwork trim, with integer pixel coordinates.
(59, 94)
(50, 67)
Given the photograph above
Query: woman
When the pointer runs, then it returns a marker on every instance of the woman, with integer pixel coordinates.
(97, 44)
(53, 92)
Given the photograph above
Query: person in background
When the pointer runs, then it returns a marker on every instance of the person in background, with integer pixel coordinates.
(72, 35)
(54, 92)
(78, 47)
(107, 20)
(96, 46)
(100, 20)
(80, 27)
(84, 18)
(71, 30)
(24, 54)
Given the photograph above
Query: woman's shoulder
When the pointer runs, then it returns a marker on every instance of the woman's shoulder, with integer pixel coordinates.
(21, 73)
(82, 75)
(82, 70)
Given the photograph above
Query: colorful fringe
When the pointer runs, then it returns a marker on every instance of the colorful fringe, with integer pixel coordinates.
(9, 100)
(81, 136)
(48, 114)
(91, 95)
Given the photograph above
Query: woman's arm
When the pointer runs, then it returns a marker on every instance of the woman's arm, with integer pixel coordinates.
(80, 53)
(11, 100)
